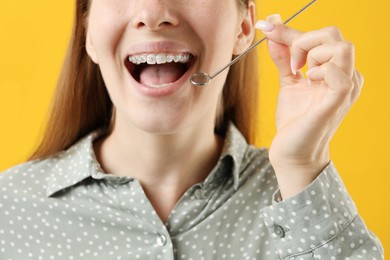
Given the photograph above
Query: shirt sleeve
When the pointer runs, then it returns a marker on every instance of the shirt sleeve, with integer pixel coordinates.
(321, 222)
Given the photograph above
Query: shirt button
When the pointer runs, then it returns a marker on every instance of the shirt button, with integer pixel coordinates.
(200, 193)
(279, 231)
(161, 240)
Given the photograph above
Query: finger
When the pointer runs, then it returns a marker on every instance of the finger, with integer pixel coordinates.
(339, 85)
(335, 91)
(309, 40)
(279, 32)
(279, 51)
(280, 55)
(285, 35)
(299, 42)
(358, 81)
(341, 54)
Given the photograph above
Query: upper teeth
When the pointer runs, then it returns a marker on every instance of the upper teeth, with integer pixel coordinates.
(160, 58)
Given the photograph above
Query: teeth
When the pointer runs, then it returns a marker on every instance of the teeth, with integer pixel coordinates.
(160, 86)
(176, 58)
(160, 58)
(170, 57)
(184, 58)
(142, 59)
(151, 59)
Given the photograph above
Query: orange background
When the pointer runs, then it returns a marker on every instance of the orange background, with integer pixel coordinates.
(34, 37)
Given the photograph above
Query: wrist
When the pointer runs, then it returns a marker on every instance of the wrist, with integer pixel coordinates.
(293, 178)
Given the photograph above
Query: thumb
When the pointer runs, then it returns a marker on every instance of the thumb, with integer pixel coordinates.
(279, 52)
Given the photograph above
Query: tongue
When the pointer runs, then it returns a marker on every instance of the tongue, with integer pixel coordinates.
(161, 74)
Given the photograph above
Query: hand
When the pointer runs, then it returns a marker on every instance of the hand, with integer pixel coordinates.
(309, 109)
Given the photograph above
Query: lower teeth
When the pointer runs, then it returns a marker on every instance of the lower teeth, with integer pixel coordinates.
(159, 86)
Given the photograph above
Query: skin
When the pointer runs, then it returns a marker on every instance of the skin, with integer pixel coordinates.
(168, 143)
(309, 111)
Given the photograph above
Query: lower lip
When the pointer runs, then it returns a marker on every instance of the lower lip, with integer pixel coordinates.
(167, 90)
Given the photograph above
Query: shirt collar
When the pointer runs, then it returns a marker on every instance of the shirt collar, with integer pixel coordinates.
(72, 166)
(78, 163)
(235, 147)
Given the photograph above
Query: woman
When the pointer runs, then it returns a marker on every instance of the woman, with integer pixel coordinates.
(137, 163)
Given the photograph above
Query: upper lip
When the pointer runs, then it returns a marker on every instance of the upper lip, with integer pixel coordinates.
(159, 47)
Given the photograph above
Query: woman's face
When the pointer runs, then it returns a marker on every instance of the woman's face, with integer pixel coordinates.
(147, 51)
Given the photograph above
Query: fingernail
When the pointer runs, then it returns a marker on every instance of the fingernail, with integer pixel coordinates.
(265, 26)
(293, 68)
(275, 19)
(310, 71)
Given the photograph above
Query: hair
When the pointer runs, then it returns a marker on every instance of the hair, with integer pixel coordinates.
(81, 102)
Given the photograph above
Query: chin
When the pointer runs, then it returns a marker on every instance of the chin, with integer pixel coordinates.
(155, 123)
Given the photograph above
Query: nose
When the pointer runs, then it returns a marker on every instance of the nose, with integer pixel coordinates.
(155, 14)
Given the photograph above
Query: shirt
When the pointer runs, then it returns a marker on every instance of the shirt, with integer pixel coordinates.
(66, 207)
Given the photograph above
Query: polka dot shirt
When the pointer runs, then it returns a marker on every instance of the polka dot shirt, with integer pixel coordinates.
(66, 207)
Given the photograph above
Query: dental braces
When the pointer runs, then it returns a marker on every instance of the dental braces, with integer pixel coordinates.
(160, 58)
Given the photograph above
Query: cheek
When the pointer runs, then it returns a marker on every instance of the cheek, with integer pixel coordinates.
(105, 25)
(217, 26)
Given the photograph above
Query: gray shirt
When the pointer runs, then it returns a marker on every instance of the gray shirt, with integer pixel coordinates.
(66, 207)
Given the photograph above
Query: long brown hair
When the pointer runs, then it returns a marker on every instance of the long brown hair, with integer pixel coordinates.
(81, 103)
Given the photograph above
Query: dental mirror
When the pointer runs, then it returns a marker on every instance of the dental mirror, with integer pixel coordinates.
(203, 78)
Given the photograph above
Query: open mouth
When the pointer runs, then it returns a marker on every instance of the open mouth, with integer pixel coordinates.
(159, 70)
